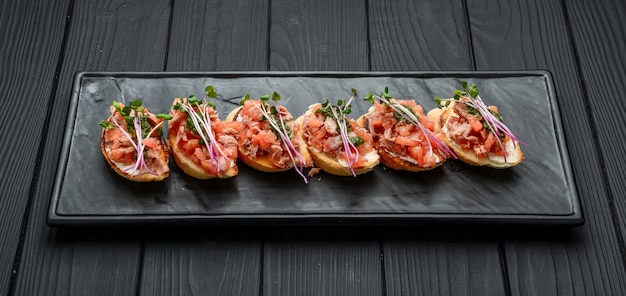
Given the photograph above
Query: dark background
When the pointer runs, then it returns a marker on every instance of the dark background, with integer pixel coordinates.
(44, 43)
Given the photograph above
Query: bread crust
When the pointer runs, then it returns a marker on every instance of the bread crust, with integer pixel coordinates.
(326, 161)
(163, 155)
(263, 163)
(441, 116)
(389, 159)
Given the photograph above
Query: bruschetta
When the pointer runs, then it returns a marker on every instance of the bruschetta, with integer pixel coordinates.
(202, 145)
(132, 143)
(336, 143)
(474, 131)
(269, 139)
(403, 135)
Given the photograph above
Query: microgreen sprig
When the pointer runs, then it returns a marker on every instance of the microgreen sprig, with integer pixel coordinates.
(492, 121)
(403, 113)
(275, 118)
(199, 122)
(338, 113)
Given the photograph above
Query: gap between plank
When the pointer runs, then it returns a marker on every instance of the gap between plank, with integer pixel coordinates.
(505, 266)
(169, 34)
(269, 31)
(470, 39)
(367, 36)
(142, 253)
(383, 273)
(261, 268)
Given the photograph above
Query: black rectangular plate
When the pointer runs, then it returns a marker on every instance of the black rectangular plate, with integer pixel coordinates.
(540, 190)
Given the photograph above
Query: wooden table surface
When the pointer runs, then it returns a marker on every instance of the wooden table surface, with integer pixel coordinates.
(44, 43)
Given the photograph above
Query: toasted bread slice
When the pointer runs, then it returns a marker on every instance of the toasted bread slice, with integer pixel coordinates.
(391, 159)
(330, 163)
(180, 136)
(264, 163)
(123, 163)
(514, 154)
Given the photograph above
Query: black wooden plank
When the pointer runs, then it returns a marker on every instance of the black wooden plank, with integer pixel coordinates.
(425, 35)
(209, 36)
(318, 35)
(31, 34)
(443, 262)
(192, 262)
(553, 263)
(219, 35)
(534, 35)
(322, 261)
(599, 35)
(79, 262)
(431, 35)
(103, 35)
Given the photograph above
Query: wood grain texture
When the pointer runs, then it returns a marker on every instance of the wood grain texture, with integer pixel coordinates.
(80, 262)
(194, 263)
(442, 263)
(318, 35)
(322, 262)
(219, 36)
(599, 32)
(31, 34)
(410, 35)
(426, 35)
(533, 35)
(103, 35)
(552, 263)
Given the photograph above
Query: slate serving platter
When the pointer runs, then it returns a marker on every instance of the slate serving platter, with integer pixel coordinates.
(540, 190)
